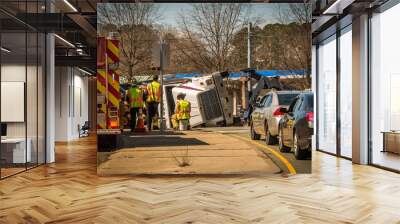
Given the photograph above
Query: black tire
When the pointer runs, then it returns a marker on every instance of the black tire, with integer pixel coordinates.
(269, 139)
(299, 153)
(282, 146)
(253, 134)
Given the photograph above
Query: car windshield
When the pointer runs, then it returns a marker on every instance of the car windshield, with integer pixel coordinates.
(286, 99)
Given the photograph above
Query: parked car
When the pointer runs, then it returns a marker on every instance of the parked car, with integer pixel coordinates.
(265, 118)
(296, 126)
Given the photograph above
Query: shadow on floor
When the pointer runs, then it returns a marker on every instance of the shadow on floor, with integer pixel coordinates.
(152, 133)
(157, 140)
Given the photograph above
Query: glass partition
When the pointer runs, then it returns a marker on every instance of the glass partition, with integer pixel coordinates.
(327, 95)
(385, 89)
(22, 76)
(14, 151)
(346, 92)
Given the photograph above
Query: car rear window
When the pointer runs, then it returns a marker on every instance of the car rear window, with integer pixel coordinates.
(309, 102)
(286, 99)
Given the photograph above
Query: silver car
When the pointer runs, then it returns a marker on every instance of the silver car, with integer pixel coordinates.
(266, 115)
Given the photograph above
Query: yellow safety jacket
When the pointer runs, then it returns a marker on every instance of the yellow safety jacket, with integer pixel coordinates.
(183, 110)
(153, 92)
(135, 97)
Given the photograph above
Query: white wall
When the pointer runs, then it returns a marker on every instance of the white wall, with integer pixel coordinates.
(12, 73)
(71, 102)
(33, 126)
(16, 73)
(80, 112)
(61, 103)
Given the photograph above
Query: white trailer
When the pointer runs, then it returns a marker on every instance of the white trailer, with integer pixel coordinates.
(208, 97)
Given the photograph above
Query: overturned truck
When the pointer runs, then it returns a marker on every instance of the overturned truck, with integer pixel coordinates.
(211, 104)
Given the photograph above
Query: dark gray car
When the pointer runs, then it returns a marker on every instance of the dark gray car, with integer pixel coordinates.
(296, 126)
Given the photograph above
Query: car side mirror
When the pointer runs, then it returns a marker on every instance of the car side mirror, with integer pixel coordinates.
(283, 110)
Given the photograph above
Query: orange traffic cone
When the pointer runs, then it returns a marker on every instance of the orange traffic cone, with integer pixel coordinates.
(140, 124)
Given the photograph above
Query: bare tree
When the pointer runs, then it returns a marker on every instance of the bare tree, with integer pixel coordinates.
(210, 29)
(298, 33)
(301, 12)
(134, 22)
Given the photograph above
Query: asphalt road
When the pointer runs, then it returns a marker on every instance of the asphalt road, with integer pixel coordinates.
(301, 166)
(285, 161)
(272, 151)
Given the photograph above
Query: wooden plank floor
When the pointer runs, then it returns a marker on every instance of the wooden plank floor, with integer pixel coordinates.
(69, 191)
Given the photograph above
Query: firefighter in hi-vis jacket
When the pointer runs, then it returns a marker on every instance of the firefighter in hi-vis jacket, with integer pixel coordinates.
(135, 96)
(152, 102)
(182, 111)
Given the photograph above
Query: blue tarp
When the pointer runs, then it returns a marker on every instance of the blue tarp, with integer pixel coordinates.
(182, 76)
(188, 75)
(270, 73)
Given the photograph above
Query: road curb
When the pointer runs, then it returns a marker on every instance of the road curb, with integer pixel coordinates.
(276, 154)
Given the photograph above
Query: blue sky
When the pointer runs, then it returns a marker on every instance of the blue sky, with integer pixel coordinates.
(170, 11)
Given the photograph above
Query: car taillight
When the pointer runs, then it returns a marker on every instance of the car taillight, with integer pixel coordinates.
(310, 116)
(278, 112)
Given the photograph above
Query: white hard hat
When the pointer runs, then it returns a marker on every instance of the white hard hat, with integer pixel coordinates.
(181, 94)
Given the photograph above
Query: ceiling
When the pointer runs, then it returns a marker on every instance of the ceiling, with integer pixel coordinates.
(74, 22)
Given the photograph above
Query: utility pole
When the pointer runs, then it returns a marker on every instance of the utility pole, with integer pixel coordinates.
(249, 45)
(248, 61)
(162, 85)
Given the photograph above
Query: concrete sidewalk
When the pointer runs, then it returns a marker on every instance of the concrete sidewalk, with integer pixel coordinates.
(206, 153)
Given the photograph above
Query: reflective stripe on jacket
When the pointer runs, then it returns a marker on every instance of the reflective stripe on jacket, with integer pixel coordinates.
(153, 92)
(135, 97)
(183, 110)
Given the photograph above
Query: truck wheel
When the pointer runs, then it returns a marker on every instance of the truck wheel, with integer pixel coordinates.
(253, 134)
(282, 146)
(298, 152)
